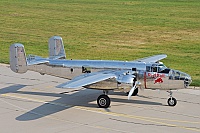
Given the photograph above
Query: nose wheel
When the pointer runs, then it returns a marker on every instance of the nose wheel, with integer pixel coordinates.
(171, 101)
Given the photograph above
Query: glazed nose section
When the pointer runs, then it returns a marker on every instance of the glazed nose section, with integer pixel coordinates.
(178, 75)
(188, 80)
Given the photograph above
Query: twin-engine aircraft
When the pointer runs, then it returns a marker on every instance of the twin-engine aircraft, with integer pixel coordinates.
(104, 75)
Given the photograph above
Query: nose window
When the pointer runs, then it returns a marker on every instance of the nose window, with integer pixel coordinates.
(177, 75)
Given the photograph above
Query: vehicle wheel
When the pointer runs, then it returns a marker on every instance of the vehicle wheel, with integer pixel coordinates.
(134, 93)
(172, 101)
(103, 101)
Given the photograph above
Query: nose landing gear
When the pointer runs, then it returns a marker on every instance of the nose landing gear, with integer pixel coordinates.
(171, 101)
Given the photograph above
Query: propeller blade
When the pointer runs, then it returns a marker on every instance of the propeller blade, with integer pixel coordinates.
(132, 90)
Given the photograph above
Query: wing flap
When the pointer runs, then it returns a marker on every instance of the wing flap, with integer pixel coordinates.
(86, 79)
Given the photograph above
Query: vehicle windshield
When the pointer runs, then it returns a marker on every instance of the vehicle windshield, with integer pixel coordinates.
(161, 67)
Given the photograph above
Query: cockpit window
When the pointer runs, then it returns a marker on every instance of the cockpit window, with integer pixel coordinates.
(148, 69)
(154, 69)
(165, 70)
(160, 68)
(177, 73)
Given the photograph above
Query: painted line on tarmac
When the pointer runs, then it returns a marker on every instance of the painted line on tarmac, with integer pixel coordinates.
(106, 129)
(142, 118)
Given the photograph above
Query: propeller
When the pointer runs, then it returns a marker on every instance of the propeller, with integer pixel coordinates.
(132, 89)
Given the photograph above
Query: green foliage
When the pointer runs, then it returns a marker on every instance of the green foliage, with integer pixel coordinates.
(103, 29)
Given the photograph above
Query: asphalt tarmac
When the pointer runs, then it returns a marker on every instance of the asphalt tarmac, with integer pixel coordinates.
(30, 103)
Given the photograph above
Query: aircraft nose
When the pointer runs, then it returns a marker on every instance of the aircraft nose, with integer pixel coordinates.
(178, 75)
(188, 80)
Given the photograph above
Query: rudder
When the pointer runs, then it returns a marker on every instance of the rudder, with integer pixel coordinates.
(18, 61)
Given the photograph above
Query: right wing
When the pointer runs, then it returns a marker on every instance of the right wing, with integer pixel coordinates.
(88, 78)
(154, 58)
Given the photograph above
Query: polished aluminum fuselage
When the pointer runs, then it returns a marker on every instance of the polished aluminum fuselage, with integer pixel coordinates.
(71, 68)
(110, 75)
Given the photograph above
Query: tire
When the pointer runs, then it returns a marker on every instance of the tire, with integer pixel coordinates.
(103, 101)
(172, 101)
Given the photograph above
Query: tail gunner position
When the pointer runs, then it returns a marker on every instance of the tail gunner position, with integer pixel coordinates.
(104, 75)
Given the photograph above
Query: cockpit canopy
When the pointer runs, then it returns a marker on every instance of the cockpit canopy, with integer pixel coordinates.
(157, 67)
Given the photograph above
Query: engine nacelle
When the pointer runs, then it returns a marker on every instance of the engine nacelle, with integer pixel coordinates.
(127, 79)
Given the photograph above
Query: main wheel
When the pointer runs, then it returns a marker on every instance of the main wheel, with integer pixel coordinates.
(172, 101)
(103, 101)
(134, 93)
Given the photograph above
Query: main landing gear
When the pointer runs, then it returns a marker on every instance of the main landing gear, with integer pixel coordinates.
(171, 101)
(103, 100)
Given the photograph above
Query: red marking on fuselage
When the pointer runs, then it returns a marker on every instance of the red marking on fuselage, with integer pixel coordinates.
(158, 80)
(155, 75)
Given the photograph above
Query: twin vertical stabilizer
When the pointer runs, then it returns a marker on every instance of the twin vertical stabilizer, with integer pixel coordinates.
(18, 61)
(56, 48)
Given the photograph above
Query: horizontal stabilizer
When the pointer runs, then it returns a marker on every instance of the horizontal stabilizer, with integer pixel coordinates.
(35, 60)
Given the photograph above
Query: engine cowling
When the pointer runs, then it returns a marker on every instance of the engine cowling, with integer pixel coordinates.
(127, 79)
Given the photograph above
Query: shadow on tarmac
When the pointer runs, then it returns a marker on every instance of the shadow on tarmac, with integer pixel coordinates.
(65, 101)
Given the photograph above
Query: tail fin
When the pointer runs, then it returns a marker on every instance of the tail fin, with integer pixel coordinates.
(56, 48)
(18, 61)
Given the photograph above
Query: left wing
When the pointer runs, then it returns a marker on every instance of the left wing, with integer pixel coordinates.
(87, 79)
